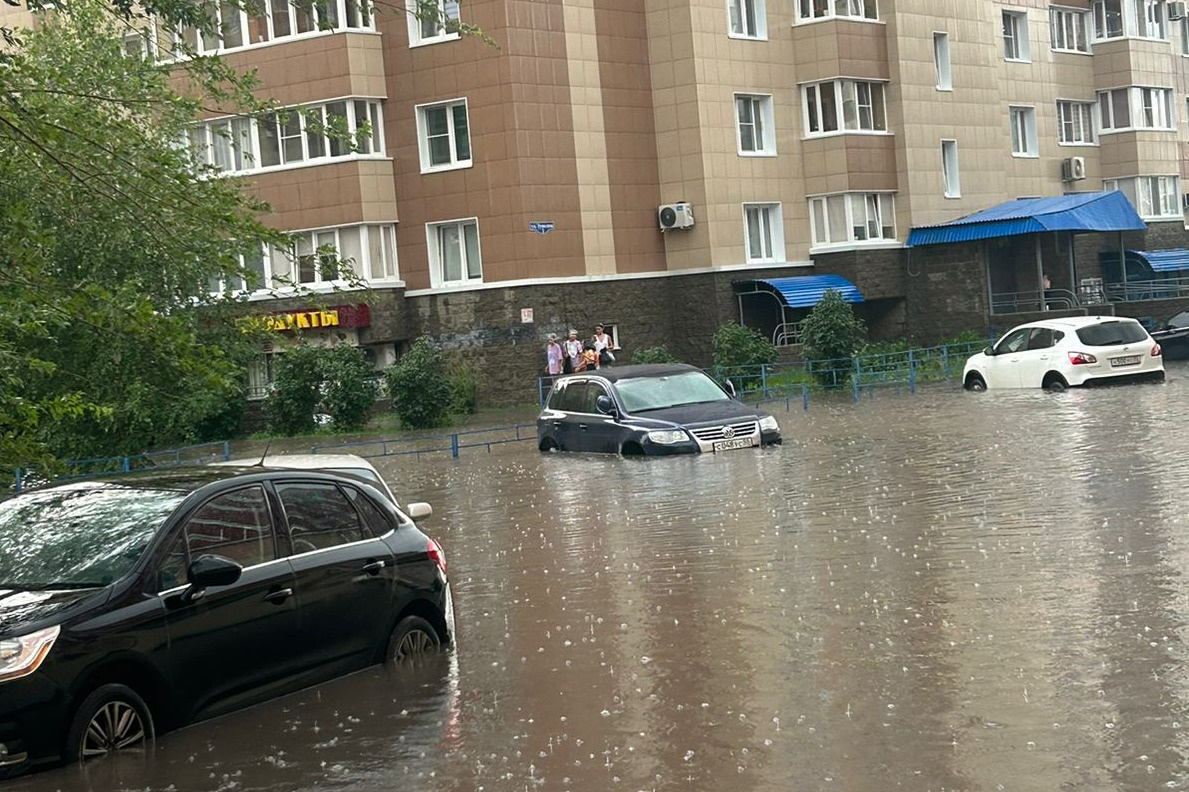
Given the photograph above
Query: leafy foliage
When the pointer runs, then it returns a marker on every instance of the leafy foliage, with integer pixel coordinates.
(656, 354)
(831, 332)
(291, 406)
(347, 390)
(420, 387)
(464, 388)
(739, 352)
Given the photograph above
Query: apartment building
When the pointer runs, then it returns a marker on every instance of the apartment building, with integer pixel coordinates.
(665, 166)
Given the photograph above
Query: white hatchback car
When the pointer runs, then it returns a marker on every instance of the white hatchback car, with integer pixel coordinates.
(1059, 353)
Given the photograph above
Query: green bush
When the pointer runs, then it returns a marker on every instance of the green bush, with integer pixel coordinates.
(739, 351)
(831, 334)
(290, 408)
(347, 390)
(420, 387)
(656, 354)
(464, 389)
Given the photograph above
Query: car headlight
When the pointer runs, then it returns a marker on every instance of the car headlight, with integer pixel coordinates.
(667, 436)
(24, 654)
(768, 424)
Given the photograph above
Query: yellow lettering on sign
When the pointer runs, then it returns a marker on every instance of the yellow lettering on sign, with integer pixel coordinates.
(301, 320)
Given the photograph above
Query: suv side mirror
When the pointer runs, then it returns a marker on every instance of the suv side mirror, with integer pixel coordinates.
(729, 387)
(604, 405)
(210, 570)
(418, 510)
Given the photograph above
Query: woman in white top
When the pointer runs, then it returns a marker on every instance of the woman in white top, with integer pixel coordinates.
(602, 345)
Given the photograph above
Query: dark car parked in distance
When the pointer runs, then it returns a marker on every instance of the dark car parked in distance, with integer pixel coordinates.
(649, 409)
(135, 604)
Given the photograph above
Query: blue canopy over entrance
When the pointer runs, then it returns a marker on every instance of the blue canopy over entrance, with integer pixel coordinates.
(803, 291)
(1082, 212)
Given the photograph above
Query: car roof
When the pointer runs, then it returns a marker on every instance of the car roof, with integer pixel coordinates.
(184, 478)
(617, 373)
(1074, 322)
(300, 461)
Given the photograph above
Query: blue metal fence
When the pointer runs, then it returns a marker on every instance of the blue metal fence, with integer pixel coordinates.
(199, 454)
(418, 445)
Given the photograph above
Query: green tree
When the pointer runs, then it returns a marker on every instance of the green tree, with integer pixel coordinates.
(297, 391)
(739, 351)
(656, 354)
(347, 390)
(420, 387)
(831, 335)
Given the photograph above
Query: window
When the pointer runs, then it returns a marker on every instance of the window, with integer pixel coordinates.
(431, 21)
(1075, 123)
(1068, 29)
(1119, 18)
(1023, 131)
(1108, 19)
(747, 19)
(1015, 36)
(444, 136)
(1151, 19)
(941, 61)
(809, 10)
(320, 517)
(852, 217)
(754, 125)
(1154, 197)
(363, 252)
(1136, 108)
(236, 525)
(454, 252)
(764, 232)
(949, 169)
(848, 105)
(266, 21)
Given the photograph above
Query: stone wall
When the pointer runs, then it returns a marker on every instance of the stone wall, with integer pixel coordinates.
(945, 291)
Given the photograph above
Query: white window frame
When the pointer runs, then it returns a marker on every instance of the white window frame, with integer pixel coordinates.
(434, 253)
(1022, 121)
(844, 93)
(1079, 118)
(951, 175)
(1154, 197)
(370, 238)
(1184, 26)
(423, 136)
(941, 61)
(878, 216)
(1065, 23)
(1016, 47)
(818, 10)
(358, 15)
(447, 10)
(1145, 19)
(1148, 108)
(747, 19)
(761, 125)
(770, 225)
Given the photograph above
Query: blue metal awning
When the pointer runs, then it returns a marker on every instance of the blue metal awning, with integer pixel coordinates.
(1098, 211)
(804, 291)
(1163, 260)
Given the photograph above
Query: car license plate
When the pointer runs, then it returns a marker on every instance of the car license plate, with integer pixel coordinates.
(1127, 360)
(738, 442)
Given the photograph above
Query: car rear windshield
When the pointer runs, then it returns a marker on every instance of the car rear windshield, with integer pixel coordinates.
(78, 537)
(640, 394)
(1112, 334)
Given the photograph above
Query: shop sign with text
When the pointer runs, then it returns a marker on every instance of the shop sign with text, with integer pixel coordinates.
(319, 318)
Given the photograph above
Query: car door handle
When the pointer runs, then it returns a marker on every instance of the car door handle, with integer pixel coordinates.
(373, 567)
(582, 427)
(278, 596)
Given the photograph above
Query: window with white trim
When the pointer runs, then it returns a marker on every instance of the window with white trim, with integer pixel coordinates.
(269, 20)
(763, 231)
(1136, 107)
(1015, 36)
(950, 178)
(1151, 19)
(1075, 123)
(843, 105)
(454, 258)
(431, 21)
(444, 135)
(809, 10)
(1184, 26)
(852, 218)
(941, 61)
(1154, 197)
(1138, 18)
(754, 126)
(1069, 29)
(747, 19)
(1023, 131)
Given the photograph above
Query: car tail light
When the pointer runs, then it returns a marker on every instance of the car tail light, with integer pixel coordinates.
(1081, 358)
(1156, 350)
(434, 551)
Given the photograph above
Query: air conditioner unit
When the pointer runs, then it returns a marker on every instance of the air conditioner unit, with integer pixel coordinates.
(675, 216)
(1176, 10)
(1073, 169)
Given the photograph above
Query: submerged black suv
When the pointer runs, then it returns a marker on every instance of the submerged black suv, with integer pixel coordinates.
(139, 603)
(649, 409)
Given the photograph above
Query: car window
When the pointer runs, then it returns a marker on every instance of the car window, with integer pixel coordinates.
(320, 516)
(1041, 338)
(1013, 341)
(235, 525)
(573, 398)
(1112, 333)
(656, 393)
(591, 396)
(374, 521)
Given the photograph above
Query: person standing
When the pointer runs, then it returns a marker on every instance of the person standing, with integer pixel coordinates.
(553, 355)
(573, 350)
(602, 346)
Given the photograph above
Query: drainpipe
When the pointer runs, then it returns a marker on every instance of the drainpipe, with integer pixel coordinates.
(1040, 269)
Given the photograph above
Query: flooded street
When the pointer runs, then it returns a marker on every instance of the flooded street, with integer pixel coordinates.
(940, 591)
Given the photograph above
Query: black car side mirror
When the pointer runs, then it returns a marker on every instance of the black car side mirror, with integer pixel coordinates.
(210, 570)
(604, 405)
(729, 387)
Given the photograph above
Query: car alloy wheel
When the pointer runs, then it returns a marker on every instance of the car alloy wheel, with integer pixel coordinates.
(116, 726)
(412, 642)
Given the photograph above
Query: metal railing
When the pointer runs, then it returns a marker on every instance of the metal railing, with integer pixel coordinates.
(200, 454)
(1033, 301)
(1157, 289)
(418, 445)
(788, 334)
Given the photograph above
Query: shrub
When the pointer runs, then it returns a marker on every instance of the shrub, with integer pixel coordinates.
(347, 391)
(656, 354)
(464, 389)
(831, 334)
(739, 351)
(291, 406)
(420, 387)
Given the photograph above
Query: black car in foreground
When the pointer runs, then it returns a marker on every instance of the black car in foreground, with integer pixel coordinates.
(1173, 337)
(649, 409)
(139, 603)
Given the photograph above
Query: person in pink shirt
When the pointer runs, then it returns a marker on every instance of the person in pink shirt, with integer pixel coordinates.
(553, 355)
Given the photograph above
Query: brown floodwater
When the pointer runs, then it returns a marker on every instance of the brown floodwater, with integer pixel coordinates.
(939, 591)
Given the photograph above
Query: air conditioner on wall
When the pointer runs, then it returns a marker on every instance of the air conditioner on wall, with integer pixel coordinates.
(1176, 10)
(675, 216)
(1073, 169)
